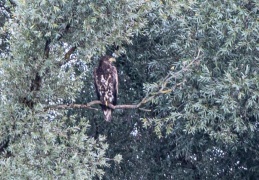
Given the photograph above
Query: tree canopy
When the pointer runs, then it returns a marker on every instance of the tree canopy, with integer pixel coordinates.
(189, 70)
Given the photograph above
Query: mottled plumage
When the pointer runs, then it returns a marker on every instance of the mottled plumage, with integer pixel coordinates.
(106, 84)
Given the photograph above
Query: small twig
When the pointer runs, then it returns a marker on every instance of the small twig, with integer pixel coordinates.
(147, 110)
(174, 75)
(183, 69)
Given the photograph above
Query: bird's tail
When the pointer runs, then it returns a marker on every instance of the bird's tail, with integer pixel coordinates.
(107, 112)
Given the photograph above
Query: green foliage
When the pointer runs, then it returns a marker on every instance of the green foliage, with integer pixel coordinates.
(51, 149)
(203, 93)
(5, 13)
(194, 62)
(211, 87)
(215, 81)
(38, 73)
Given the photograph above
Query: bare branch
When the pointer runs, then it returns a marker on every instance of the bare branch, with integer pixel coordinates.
(90, 104)
(74, 106)
(164, 89)
(186, 68)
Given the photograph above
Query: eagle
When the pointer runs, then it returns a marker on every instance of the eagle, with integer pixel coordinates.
(106, 84)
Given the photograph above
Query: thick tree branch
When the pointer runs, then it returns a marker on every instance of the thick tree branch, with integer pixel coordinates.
(70, 51)
(90, 104)
(47, 48)
(76, 106)
(67, 56)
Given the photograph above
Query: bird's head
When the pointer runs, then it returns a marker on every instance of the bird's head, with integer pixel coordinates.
(106, 60)
(111, 60)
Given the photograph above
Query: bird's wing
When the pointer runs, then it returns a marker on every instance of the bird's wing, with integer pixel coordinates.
(115, 85)
(96, 84)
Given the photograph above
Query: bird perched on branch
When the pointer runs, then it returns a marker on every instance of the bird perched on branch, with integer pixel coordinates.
(106, 84)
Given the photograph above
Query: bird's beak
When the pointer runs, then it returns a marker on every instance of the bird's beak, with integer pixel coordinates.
(112, 60)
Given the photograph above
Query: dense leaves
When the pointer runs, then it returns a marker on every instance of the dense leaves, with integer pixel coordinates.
(194, 64)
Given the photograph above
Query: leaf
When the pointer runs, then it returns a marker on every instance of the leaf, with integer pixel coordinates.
(118, 158)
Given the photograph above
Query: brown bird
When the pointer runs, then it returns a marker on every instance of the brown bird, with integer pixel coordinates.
(106, 84)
